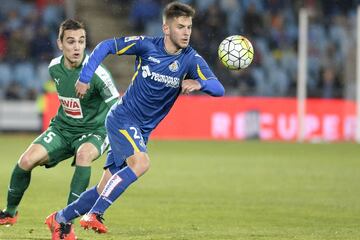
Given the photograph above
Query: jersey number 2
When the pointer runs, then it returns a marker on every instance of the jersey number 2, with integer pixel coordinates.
(136, 136)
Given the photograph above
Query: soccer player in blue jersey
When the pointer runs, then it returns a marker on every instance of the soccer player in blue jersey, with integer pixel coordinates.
(165, 67)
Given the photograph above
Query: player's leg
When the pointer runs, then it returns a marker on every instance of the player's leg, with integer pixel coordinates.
(58, 222)
(88, 198)
(88, 148)
(126, 141)
(84, 203)
(138, 164)
(35, 155)
(80, 180)
(125, 146)
(48, 149)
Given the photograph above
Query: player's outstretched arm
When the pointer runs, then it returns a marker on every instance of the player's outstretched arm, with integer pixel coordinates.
(103, 49)
(201, 72)
(213, 87)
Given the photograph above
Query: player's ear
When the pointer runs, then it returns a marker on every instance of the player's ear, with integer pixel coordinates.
(166, 29)
(59, 43)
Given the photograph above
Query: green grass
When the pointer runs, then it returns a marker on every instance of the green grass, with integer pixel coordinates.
(210, 190)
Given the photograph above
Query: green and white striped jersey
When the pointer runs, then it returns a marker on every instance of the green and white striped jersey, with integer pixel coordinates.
(87, 114)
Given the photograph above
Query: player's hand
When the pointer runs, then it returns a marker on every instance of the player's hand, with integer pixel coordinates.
(81, 88)
(190, 85)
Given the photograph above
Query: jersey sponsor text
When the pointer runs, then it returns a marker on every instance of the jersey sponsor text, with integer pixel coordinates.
(168, 80)
(71, 107)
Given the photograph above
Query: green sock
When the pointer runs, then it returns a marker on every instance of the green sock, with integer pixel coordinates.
(19, 182)
(79, 182)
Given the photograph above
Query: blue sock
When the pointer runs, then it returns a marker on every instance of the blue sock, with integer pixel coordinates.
(113, 189)
(81, 206)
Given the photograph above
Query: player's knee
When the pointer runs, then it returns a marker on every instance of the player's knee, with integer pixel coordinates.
(27, 161)
(83, 158)
(144, 164)
(139, 164)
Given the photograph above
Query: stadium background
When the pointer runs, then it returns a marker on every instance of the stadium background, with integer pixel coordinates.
(28, 31)
(201, 189)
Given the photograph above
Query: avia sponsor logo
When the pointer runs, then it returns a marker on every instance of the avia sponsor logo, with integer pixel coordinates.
(71, 107)
(168, 80)
(155, 60)
(112, 183)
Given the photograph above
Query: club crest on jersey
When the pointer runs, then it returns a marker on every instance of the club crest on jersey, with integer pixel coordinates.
(174, 66)
(71, 107)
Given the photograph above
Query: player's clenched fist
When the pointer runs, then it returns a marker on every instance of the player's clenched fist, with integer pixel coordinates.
(81, 88)
(189, 85)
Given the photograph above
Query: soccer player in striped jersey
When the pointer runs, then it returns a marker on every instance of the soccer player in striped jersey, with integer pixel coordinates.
(77, 130)
(165, 67)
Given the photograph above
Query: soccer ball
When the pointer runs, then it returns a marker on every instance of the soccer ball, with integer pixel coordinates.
(236, 52)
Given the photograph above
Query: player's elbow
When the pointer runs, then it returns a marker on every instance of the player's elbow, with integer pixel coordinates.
(220, 91)
(106, 47)
(213, 87)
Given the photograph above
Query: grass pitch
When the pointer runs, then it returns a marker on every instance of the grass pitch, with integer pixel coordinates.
(209, 190)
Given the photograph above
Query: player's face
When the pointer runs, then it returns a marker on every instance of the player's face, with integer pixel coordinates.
(178, 31)
(73, 47)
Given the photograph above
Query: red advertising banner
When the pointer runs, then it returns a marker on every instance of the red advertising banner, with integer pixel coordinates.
(238, 118)
(203, 117)
(51, 103)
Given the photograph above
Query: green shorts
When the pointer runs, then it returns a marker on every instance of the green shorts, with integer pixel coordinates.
(61, 144)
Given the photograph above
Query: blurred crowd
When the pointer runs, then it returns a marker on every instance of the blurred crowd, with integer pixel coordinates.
(28, 32)
(272, 27)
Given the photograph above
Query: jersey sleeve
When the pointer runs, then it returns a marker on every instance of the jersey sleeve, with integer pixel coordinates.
(119, 46)
(134, 45)
(200, 71)
(53, 62)
(105, 86)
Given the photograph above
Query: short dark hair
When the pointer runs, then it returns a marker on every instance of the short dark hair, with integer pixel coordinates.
(177, 9)
(69, 24)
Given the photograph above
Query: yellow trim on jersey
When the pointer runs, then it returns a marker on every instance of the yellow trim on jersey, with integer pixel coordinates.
(121, 51)
(126, 134)
(137, 70)
(201, 75)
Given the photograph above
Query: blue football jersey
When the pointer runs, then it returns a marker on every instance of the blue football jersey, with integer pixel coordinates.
(156, 83)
